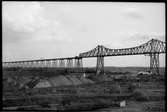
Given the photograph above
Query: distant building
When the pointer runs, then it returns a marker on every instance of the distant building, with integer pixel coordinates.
(143, 73)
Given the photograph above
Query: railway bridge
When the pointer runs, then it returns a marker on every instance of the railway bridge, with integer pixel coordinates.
(153, 48)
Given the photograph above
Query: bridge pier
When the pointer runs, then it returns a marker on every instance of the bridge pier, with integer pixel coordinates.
(78, 65)
(62, 63)
(69, 65)
(39, 64)
(154, 63)
(54, 63)
(100, 65)
(33, 64)
(47, 64)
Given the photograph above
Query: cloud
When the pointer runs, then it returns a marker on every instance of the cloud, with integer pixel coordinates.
(27, 20)
(146, 37)
(133, 13)
(23, 16)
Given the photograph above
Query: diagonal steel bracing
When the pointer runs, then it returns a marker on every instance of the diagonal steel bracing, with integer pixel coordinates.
(152, 48)
(154, 63)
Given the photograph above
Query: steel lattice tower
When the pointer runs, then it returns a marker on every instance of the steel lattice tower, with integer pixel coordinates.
(154, 63)
(100, 65)
(154, 57)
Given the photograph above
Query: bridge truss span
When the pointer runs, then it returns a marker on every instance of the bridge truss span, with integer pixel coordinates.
(152, 48)
(71, 64)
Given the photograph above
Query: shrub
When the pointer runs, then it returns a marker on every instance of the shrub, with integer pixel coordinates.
(115, 89)
(45, 104)
(131, 87)
(20, 108)
(140, 95)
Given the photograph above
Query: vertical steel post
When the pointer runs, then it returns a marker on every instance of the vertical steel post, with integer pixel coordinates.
(62, 63)
(69, 65)
(79, 65)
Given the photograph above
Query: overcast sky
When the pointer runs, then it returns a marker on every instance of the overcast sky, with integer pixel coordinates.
(35, 30)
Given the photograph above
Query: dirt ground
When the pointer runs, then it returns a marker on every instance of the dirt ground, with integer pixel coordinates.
(133, 106)
(98, 96)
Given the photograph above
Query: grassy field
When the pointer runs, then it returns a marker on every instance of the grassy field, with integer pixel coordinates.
(142, 94)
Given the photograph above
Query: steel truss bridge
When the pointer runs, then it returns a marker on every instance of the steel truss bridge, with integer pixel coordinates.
(151, 48)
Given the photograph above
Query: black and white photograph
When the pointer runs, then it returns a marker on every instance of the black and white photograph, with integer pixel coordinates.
(83, 56)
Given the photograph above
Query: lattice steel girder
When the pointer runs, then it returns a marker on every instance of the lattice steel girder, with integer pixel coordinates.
(100, 65)
(154, 63)
(151, 46)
